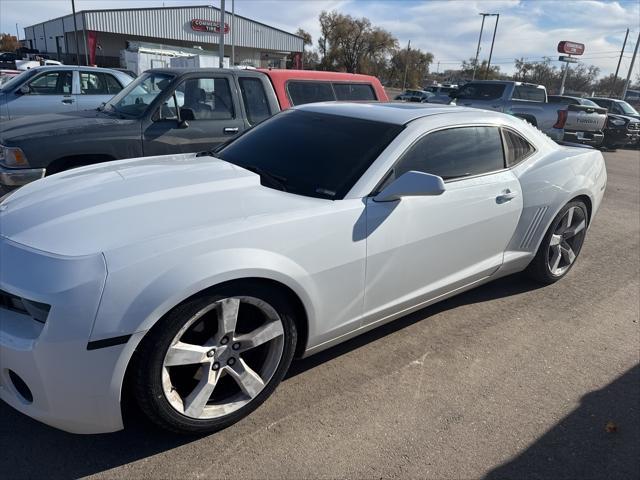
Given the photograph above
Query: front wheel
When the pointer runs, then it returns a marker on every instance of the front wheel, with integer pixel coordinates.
(215, 358)
(561, 244)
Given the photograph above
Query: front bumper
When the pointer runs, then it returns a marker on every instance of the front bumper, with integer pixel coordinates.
(16, 177)
(593, 139)
(69, 387)
(620, 137)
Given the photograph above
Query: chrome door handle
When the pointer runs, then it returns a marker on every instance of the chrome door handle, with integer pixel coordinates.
(229, 130)
(67, 100)
(506, 196)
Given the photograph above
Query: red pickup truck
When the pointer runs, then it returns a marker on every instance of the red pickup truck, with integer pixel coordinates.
(166, 111)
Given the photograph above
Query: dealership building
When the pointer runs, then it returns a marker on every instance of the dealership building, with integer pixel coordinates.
(105, 36)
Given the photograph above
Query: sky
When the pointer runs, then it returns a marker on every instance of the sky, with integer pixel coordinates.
(448, 29)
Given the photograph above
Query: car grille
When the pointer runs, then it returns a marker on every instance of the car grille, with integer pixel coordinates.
(634, 127)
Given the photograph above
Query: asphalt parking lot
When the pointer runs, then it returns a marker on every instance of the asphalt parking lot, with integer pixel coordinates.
(507, 381)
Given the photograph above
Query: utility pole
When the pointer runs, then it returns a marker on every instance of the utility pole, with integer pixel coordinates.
(475, 64)
(615, 77)
(495, 28)
(233, 33)
(221, 52)
(75, 31)
(633, 60)
(406, 65)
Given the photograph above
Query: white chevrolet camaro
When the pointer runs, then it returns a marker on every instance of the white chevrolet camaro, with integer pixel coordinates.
(196, 278)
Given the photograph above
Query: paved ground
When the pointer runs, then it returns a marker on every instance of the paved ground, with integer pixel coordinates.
(507, 381)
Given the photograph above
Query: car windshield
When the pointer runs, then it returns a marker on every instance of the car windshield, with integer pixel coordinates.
(17, 80)
(138, 95)
(312, 154)
(627, 109)
(481, 91)
(588, 103)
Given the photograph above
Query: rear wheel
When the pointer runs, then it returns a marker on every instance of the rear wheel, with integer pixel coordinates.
(561, 245)
(214, 359)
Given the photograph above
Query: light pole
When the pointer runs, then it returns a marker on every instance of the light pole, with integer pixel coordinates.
(221, 52)
(495, 28)
(475, 64)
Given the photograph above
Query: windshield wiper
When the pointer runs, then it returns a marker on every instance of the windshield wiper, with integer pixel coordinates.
(275, 181)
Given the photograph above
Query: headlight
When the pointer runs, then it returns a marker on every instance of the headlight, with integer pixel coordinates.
(13, 157)
(616, 122)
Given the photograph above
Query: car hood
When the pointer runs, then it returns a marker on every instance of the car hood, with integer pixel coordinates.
(103, 207)
(33, 127)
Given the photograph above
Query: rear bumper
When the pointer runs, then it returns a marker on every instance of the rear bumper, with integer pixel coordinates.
(16, 177)
(592, 139)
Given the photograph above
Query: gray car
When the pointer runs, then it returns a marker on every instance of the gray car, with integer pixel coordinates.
(59, 89)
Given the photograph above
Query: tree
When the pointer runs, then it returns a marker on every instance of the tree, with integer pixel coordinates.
(416, 63)
(609, 85)
(351, 44)
(481, 70)
(8, 43)
(309, 58)
(580, 78)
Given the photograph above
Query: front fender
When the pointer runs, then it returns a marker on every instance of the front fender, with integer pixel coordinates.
(132, 303)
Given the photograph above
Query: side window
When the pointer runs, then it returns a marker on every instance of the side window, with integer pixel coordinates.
(207, 98)
(113, 86)
(516, 148)
(255, 99)
(91, 83)
(354, 91)
(455, 153)
(301, 92)
(525, 92)
(51, 83)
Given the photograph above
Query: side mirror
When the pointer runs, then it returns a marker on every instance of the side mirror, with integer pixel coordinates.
(187, 114)
(182, 124)
(24, 90)
(411, 184)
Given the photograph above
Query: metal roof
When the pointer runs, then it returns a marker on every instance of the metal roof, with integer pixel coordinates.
(175, 23)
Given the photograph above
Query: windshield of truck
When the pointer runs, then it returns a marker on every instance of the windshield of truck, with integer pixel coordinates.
(481, 91)
(138, 95)
(17, 80)
(627, 109)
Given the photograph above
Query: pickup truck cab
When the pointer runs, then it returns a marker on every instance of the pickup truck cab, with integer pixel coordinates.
(569, 123)
(167, 111)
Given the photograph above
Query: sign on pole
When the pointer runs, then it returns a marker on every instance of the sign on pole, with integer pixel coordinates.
(571, 48)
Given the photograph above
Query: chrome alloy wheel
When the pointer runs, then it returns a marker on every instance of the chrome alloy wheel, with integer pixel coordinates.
(222, 357)
(566, 241)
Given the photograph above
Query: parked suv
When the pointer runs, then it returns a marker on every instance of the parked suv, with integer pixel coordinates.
(59, 89)
(167, 111)
(569, 123)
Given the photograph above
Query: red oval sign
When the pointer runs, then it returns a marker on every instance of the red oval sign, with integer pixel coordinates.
(200, 25)
(571, 48)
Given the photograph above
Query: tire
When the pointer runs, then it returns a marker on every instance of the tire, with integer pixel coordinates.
(202, 384)
(562, 243)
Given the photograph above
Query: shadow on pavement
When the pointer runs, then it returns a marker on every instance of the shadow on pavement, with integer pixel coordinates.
(30, 449)
(580, 445)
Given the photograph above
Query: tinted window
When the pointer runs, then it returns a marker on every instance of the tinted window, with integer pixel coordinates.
(51, 83)
(92, 83)
(312, 154)
(516, 148)
(113, 86)
(208, 98)
(254, 99)
(526, 92)
(454, 153)
(562, 100)
(301, 92)
(481, 91)
(354, 91)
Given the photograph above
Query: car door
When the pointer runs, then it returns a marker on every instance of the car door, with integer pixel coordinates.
(94, 88)
(419, 248)
(203, 113)
(48, 92)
